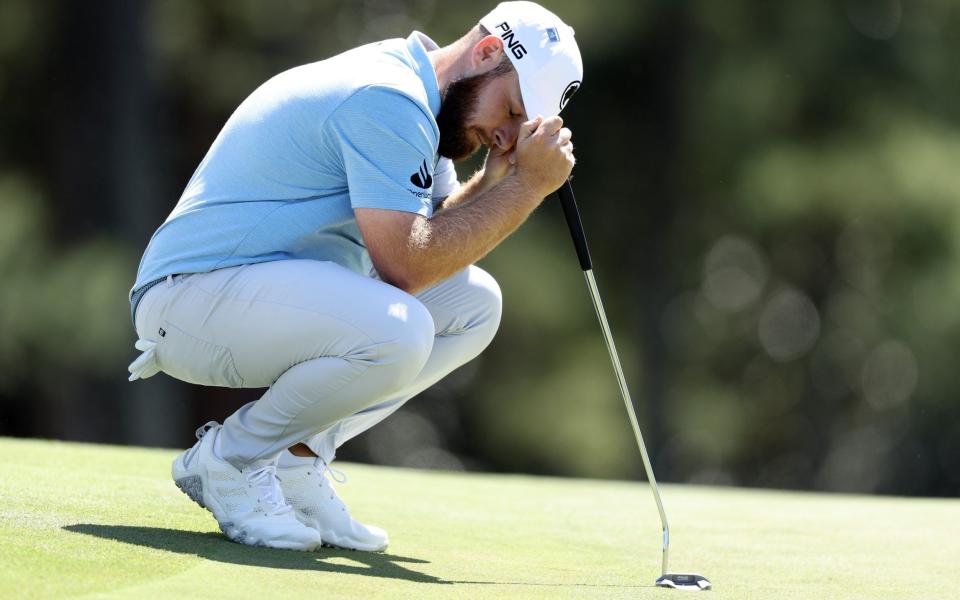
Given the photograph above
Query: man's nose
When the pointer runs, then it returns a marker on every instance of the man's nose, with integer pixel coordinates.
(505, 137)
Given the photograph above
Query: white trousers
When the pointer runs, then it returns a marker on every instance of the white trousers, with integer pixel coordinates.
(339, 352)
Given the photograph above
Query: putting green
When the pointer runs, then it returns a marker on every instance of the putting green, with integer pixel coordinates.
(106, 522)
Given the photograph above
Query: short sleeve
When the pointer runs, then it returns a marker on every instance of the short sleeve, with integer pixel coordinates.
(444, 181)
(387, 144)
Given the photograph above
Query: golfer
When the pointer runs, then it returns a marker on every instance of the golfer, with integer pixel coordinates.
(324, 250)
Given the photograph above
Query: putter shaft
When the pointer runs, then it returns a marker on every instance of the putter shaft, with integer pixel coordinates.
(572, 214)
(628, 403)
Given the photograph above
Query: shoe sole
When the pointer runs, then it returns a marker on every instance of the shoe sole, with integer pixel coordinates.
(332, 540)
(349, 545)
(192, 486)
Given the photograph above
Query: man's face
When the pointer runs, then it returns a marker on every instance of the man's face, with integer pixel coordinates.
(484, 110)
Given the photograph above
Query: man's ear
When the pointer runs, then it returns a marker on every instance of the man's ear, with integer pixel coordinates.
(486, 55)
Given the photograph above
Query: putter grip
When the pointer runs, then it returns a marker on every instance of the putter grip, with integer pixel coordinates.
(570, 211)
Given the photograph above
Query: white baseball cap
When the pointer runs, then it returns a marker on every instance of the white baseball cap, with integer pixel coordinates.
(543, 52)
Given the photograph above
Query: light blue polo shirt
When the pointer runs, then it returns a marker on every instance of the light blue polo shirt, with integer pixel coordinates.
(357, 130)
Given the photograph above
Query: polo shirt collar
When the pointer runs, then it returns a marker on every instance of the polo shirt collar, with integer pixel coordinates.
(419, 44)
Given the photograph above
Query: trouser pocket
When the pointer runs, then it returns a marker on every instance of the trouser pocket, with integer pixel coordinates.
(193, 360)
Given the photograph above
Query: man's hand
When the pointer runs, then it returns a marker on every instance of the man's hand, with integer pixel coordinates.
(544, 155)
(412, 252)
(498, 165)
(501, 163)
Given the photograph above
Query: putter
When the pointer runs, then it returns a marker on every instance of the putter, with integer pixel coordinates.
(679, 581)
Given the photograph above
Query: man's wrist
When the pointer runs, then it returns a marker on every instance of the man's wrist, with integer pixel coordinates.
(522, 189)
(486, 180)
(512, 187)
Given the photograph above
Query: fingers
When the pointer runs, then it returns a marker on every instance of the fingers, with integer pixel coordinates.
(563, 141)
(540, 126)
(564, 137)
(544, 154)
(551, 126)
(529, 128)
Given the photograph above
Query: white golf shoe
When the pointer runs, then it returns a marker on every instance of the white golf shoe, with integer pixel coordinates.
(310, 493)
(249, 504)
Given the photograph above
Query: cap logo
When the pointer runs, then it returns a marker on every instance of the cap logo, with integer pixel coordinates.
(568, 93)
(510, 40)
(552, 34)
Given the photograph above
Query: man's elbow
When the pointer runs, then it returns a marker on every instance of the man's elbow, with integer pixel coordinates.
(406, 279)
(406, 284)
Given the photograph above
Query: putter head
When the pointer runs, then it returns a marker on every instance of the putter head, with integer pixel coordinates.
(684, 581)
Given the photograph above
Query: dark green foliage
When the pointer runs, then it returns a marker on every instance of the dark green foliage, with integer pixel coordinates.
(770, 191)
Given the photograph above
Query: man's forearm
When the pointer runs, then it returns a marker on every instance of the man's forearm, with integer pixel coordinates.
(413, 252)
(470, 189)
(474, 220)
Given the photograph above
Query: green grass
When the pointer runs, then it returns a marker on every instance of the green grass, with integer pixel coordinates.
(106, 522)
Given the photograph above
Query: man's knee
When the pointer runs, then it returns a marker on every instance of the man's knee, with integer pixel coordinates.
(487, 300)
(405, 339)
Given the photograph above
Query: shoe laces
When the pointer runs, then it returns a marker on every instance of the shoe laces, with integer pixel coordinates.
(203, 429)
(336, 474)
(268, 485)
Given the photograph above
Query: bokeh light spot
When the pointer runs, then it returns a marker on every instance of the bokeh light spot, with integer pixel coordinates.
(889, 375)
(734, 274)
(789, 325)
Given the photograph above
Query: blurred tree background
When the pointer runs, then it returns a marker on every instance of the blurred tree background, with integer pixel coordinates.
(770, 191)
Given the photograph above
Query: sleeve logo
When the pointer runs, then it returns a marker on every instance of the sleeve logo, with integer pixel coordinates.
(422, 178)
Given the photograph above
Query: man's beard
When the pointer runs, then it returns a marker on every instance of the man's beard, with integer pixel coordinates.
(457, 142)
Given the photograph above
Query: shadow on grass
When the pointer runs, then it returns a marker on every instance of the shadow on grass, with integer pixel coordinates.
(214, 546)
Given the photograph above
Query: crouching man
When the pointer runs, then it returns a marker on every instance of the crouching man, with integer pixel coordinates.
(324, 249)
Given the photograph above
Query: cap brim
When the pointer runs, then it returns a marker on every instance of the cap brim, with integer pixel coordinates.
(536, 105)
